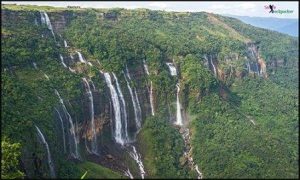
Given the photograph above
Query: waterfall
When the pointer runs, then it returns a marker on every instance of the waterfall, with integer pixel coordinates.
(72, 130)
(198, 172)
(81, 59)
(128, 174)
(47, 77)
(94, 87)
(146, 67)
(45, 20)
(62, 61)
(117, 109)
(188, 151)
(135, 102)
(151, 88)
(172, 69)
(50, 163)
(248, 66)
(137, 157)
(257, 71)
(123, 107)
(63, 131)
(72, 70)
(151, 98)
(178, 114)
(34, 65)
(90, 64)
(65, 43)
(211, 62)
(94, 139)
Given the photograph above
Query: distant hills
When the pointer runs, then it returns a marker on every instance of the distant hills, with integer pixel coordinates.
(286, 26)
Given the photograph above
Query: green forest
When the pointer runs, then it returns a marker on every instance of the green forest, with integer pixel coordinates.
(242, 122)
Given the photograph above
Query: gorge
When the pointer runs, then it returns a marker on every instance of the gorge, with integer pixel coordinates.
(117, 93)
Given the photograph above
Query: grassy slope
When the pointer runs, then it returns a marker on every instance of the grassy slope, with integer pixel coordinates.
(97, 171)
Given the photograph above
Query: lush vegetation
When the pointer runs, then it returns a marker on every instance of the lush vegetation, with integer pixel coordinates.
(242, 127)
(95, 171)
(10, 154)
(162, 147)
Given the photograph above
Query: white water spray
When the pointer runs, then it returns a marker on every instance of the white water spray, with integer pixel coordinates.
(34, 65)
(50, 163)
(211, 62)
(128, 174)
(62, 60)
(178, 107)
(45, 20)
(62, 127)
(117, 109)
(72, 130)
(94, 138)
(46, 76)
(172, 69)
(65, 43)
(137, 157)
(123, 107)
(135, 102)
(81, 59)
(151, 88)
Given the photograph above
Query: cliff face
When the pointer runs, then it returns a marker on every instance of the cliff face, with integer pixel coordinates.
(69, 61)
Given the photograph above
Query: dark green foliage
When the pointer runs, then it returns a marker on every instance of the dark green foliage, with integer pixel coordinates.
(162, 147)
(10, 154)
(226, 144)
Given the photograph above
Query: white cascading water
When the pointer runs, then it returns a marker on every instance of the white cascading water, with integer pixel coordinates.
(65, 43)
(34, 65)
(200, 175)
(89, 63)
(178, 107)
(117, 109)
(94, 87)
(187, 152)
(248, 66)
(72, 70)
(151, 98)
(257, 70)
(211, 62)
(151, 88)
(94, 138)
(45, 20)
(50, 163)
(128, 174)
(124, 113)
(72, 130)
(172, 69)
(62, 60)
(146, 67)
(137, 157)
(135, 102)
(46, 76)
(81, 59)
(63, 131)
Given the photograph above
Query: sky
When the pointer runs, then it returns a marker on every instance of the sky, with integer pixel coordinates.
(241, 8)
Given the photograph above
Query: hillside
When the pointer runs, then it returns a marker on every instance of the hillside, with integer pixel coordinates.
(283, 25)
(145, 94)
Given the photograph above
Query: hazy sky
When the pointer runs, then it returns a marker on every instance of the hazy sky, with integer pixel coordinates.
(242, 8)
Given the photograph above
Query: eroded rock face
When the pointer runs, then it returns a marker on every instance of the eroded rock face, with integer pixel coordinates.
(60, 20)
(255, 57)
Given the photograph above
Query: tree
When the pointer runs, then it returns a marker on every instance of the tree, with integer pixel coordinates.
(10, 159)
